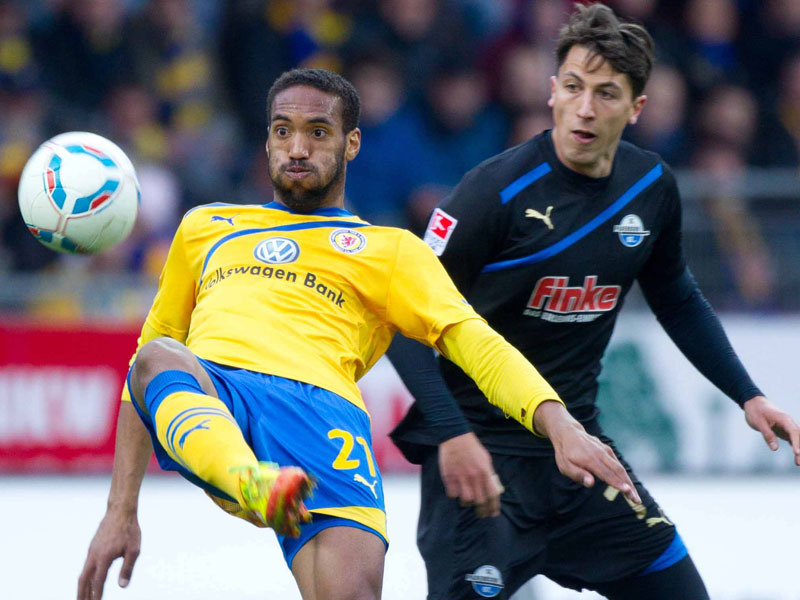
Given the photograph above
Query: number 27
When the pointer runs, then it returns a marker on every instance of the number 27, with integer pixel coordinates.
(343, 460)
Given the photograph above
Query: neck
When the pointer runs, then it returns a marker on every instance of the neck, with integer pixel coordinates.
(600, 167)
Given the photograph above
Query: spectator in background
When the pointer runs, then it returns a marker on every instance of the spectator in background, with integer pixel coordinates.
(22, 128)
(83, 51)
(18, 69)
(418, 32)
(252, 55)
(314, 31)
(664, 22)
(771, 31)
(712, 29)
(781, 125)
(728, 116)
(525, 73)
(663, 127)
(726, 127)
(735, 227)
(174, 61)
(535, 24)
(131, 120)
(464, 129)
(392, 162)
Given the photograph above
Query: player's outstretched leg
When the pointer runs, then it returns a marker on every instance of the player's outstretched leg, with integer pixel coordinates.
(197, 431)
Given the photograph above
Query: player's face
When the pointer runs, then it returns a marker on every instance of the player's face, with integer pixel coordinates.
(592, 103)
(307, 149)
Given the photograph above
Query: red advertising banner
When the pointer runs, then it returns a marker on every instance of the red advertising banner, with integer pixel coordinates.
(60, 389)
(59, 395)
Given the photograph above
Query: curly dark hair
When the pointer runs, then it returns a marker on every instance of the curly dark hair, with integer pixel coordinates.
(324, 81)
(627, 47)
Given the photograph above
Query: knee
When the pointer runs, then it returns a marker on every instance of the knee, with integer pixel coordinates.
(154, 357)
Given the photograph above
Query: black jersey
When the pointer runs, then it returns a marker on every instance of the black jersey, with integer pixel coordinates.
(547, 255)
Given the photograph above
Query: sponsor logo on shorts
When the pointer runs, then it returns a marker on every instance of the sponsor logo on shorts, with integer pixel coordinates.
(277, 251)
(631, 231)
(439, 230)
(554, 300)
(487, 581)
(348, 241)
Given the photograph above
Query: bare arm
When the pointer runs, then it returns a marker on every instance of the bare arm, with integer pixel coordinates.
(118, 534)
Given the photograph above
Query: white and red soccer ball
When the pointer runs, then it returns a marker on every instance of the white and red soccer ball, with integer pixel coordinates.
(78, 193)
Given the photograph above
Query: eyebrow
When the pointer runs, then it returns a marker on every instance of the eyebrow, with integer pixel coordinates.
(313, 120)
(613, 84)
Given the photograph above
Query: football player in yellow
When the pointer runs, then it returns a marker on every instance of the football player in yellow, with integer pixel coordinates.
(265, 318)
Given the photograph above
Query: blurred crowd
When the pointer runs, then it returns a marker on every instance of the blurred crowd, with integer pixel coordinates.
(181, 86)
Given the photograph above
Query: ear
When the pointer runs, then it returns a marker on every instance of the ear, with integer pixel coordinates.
(553, 82)
(638, 105)
(353, 144)
(266, 146)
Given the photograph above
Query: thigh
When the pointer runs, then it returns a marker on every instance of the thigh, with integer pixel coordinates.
(438, 516)
(598, 535)
(681, 580)
(340, 563)
(494, 557)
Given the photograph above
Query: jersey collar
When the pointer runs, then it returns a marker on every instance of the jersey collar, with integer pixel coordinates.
(327, 211)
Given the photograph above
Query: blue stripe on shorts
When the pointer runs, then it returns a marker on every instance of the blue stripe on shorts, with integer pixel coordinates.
(674, 552)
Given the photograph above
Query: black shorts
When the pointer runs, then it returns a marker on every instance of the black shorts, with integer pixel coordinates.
(549, 525)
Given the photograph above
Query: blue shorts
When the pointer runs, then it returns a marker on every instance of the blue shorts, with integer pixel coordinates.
(298, 424)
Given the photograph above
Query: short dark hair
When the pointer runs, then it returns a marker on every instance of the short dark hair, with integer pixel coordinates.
(324, 81)
(627, 47)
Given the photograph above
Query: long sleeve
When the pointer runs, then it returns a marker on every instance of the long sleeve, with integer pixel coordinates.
(419, 370)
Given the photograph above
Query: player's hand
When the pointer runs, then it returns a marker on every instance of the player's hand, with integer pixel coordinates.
(468, 474)
(762, 415)
(117, 536)
(581, 456)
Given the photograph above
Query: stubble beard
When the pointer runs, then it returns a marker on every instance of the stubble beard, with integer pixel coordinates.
(302, 199)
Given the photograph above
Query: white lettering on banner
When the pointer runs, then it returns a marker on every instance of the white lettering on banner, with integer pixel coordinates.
(56, 405)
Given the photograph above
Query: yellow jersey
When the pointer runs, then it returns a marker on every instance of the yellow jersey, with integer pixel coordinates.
(311, 297)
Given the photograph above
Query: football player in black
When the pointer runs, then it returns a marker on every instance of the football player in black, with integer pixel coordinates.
(545, 240)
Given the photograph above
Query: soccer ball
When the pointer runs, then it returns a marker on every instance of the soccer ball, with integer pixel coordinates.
(78, 193)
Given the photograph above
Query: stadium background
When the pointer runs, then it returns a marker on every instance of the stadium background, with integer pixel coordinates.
(180, 85)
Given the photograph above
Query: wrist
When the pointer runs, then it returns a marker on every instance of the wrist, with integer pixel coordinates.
(551, 418)
(122, 506)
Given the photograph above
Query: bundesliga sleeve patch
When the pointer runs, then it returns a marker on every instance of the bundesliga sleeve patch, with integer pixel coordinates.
(439, 230)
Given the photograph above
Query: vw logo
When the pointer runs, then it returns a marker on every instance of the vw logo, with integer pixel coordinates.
(277, 250)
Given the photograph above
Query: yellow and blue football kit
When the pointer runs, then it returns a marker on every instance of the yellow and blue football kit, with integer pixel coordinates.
(286, 311)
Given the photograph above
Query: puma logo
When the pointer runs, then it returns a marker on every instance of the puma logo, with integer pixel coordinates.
(228, 220)
(640, 510)
(656, 520)
(532, 213)
(360, 479)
